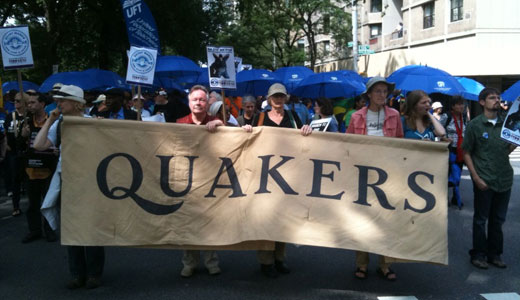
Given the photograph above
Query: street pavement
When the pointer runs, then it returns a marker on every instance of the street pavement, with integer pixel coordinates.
(39, 270)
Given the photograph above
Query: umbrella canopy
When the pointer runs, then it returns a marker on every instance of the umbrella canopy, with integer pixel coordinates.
(255, 82)
(328, 85)
(89, 80)
(471, 88)
(292, 76)
(428, 79)
(188, 82)
(512, 93)
(13, 85)
(180, 68)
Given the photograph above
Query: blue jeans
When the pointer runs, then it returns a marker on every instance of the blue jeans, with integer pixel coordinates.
(490, 207)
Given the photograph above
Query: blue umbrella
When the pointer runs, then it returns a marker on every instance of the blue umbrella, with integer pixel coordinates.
(353, 78)
(180, 68)
(165, 83)
(512, 93)
(89, 80)
(13, 85)
(471, 88)
(255, 82)
(292, 76)
(188, 82)
(428, 79)
(328, 85)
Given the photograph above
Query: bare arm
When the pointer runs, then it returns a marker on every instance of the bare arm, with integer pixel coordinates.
(41, 142)
(438, 129)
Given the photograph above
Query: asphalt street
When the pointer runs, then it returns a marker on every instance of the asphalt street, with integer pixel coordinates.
(39, 270)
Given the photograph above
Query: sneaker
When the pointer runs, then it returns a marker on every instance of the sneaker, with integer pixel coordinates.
(214, 271)
(75, 283)
(497, 262)
(187, 272)
(93, 282)
(479, 263)
(9, 194)
(30, 237)
(268, 271)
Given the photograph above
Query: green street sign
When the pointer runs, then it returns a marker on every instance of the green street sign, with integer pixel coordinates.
(350, 44)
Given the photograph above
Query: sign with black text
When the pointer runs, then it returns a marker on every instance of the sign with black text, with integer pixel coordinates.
(141, 66)
(511, 128)
(221, 67)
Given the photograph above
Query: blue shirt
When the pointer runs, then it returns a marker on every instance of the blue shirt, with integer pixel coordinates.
(410, 133)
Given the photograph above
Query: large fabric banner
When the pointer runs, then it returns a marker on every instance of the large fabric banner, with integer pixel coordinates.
(133, 183)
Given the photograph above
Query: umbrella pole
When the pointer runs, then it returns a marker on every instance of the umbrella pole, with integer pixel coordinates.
(224, 107)
(139, 108)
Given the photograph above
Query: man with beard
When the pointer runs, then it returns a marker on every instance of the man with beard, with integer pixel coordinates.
(487, 157)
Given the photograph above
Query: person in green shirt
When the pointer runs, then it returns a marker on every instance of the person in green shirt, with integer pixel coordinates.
(359, 103)
(487, 157)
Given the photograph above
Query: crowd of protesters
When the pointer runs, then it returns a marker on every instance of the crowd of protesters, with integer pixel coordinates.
(31, 161)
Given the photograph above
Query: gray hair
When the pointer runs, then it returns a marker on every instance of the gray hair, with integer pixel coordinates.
(248, 98)
(216, 95)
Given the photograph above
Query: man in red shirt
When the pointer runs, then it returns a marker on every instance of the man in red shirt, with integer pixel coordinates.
(198, 102)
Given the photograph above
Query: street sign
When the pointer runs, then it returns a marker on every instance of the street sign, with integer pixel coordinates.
(350, 44)
(366, 52)
(363, 47)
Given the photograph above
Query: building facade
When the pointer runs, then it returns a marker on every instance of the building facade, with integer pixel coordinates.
(473, 38)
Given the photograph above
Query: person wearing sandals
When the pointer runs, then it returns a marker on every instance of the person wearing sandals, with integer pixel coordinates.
(376, 120)
(487, 157)
(273, 262)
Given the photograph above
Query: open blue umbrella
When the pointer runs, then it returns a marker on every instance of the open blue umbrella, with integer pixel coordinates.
(353, 78)
(292, 76)
(89, 80)
(255, 82)
(428, 79)
(188, 82)
(471, 88)
(512, 93)
(180, 68)
(328, 85)
(13, 85)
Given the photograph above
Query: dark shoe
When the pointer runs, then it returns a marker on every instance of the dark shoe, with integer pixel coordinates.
(92, 283)
(497, 262)
(214, 271)
(479, 263)
(16, 212)
(50, 236)
(281, 267)
(360, 274)
(31, 236)
(269, 271)
(389, 275)
(75, 283)
(187, 272)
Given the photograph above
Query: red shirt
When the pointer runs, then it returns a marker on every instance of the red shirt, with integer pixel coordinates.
(189, 120)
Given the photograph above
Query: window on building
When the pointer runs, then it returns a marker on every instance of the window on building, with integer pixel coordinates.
(326, 24)
(301, 44)
(376, 6)
(326, 47)
(456, 10)
(429, 15)
(375, 30)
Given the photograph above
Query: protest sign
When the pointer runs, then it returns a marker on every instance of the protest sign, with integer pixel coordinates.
(320, 125)
(174, 184)
(511, 128)
(221, 67)
(140, 24)
(246, 67)
(16, 47)
(141, 66)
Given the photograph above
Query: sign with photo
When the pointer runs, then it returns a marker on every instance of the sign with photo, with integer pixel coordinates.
(320, 125)
(141, 66)
(16, 47)
(511, 128)
(221, 67)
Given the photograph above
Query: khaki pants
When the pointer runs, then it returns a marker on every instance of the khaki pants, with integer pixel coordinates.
(191, 259)
(362, 260)
(268, 257)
